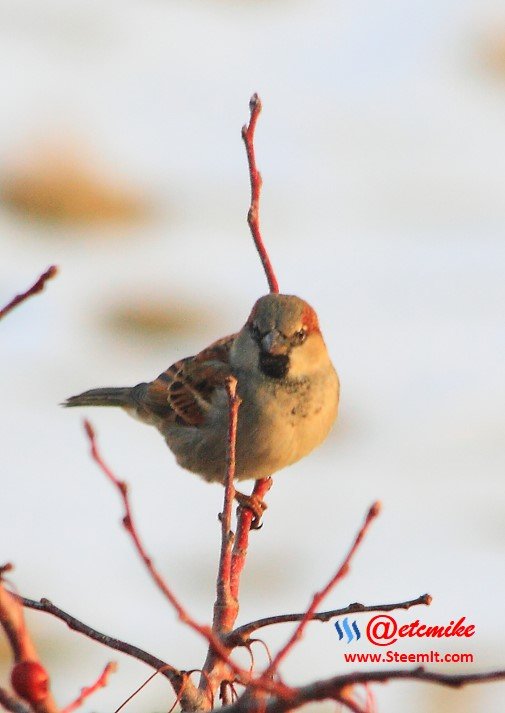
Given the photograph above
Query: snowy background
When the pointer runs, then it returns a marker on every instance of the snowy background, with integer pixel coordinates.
(382, 148)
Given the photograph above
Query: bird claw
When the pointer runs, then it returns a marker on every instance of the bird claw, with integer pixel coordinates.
(255, 505)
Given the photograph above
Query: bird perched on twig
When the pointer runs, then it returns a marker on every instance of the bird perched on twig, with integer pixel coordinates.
(286, 381)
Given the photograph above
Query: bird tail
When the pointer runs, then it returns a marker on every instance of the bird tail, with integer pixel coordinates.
(108, 396)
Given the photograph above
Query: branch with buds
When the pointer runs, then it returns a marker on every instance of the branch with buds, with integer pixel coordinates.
(253, 215)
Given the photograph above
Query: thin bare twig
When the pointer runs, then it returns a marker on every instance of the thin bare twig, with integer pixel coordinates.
(175, 676)
(256, 183)
(371, 704)
(226, 607)
(331, 688)
(174, 704)
(263, 644)
(241, 634)
(33, 290)
(217, 668)
(146, 682)
(346, 699)
(223, 693)
(13, 624)
(220, 649)
(88, 691)
(319, 596)
(12, 704)
(138, 689)
(244, 522)
(129, 525)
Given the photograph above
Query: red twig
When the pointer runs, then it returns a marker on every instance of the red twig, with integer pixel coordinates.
(256, 183)
(130, 527)
(88, 691)
(224, 697)
(137, 691)
(345, 698)
(226, 607)
(264, 645)
(33, 290)
(245, 518)
(319, 596)
(177, 700)
(28, 676)
(180, 692)
(371, 705)
(214, 671)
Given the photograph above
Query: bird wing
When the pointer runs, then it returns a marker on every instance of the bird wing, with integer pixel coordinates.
(182, 394)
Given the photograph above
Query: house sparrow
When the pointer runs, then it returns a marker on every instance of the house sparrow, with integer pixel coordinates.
(287, 383)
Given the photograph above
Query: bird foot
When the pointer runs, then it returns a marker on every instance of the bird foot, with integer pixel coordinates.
(253, 503)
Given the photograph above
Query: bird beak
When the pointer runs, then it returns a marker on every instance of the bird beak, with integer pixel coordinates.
(274, 343)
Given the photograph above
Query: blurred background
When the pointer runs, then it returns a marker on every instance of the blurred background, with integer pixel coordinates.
(382, 149)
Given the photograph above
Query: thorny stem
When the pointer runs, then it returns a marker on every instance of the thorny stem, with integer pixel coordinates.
(256, 183)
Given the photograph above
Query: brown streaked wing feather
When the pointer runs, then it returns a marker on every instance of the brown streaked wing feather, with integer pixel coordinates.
(182, 394)
(218, 350)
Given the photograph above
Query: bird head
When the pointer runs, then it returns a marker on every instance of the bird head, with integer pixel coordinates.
(282, 338)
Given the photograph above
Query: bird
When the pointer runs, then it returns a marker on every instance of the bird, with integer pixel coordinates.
(287, 384)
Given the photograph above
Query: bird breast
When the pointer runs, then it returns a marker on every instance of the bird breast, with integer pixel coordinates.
(278, 423)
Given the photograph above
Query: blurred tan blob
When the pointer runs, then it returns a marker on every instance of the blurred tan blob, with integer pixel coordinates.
(492, 51)
(144, 316)
(60, 183)
(438, 698)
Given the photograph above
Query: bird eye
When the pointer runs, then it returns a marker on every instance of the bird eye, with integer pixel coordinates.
(256, 334)
(301, 335)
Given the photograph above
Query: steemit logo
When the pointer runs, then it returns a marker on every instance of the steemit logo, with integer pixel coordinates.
(384, 630)
(352, 632)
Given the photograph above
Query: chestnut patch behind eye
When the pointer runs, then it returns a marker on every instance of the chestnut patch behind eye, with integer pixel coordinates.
(275, 366)
(309, 318)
